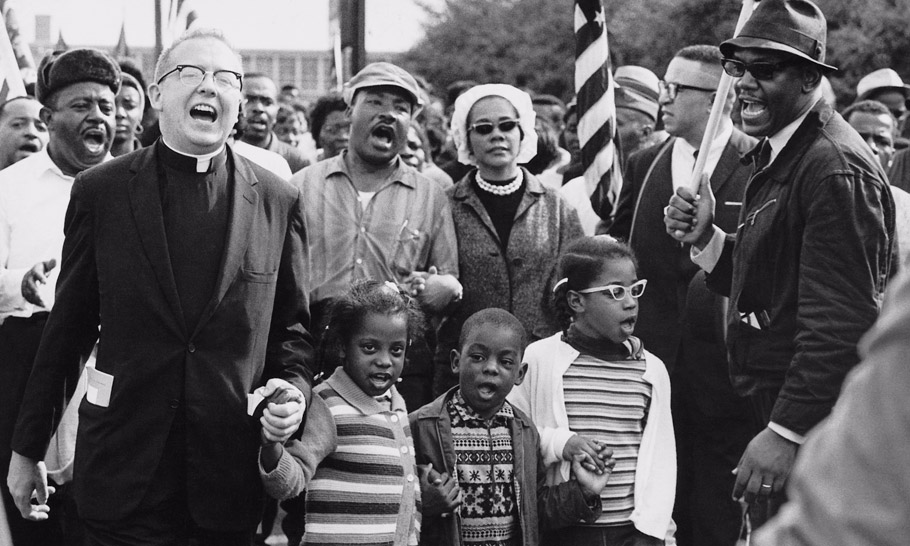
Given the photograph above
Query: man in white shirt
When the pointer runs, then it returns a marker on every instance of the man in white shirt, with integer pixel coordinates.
(22, 133)
(807, 268)
(678, 317)
(77, 90)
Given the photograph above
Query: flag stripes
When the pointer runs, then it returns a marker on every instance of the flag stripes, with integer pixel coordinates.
(594, 90)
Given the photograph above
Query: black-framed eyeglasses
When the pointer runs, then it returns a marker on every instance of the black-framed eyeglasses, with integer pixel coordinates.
(486, 127)
(760, 70)
(672, 89)
(618, 291)
(192, 76)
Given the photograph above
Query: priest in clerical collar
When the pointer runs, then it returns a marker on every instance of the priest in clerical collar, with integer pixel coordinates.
(188, 265)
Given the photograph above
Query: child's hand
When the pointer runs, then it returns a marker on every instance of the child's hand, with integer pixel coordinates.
(439, 493)
(593, 453)
(592, 483)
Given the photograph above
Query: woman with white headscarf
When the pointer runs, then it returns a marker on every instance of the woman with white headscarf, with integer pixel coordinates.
(510, 228)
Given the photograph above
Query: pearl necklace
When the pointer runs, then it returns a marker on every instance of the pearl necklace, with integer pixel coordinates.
(508, 189)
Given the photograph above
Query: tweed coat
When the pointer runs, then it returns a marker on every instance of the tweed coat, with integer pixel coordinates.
(517, 277)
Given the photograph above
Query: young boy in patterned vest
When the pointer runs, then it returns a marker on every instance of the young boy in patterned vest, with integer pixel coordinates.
(482, 480)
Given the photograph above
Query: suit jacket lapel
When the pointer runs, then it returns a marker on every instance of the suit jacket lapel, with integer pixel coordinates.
(145, 201)
(243, 210)
(728, 163)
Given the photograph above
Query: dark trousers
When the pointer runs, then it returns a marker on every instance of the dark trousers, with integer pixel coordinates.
(617, 535)
(19, 339)
(710, 440)
(163, 516)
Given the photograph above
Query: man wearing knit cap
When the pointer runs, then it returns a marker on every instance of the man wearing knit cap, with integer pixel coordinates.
(637, 105)
(371, 215)
(806, 270)
(187, 264)
(76, 90)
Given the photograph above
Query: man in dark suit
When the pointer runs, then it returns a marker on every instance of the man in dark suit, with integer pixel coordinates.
(679, 320)
(192, 261)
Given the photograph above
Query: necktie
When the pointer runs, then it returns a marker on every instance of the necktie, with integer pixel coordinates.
(763, 157)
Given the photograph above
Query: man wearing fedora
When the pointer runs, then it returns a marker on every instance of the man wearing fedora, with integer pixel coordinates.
(885, 86)
(807, 267)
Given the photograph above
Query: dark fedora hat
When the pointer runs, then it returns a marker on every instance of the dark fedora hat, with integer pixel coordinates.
(797, 27)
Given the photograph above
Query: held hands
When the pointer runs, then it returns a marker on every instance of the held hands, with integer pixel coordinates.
(592, 454)
(27, 480)
(439, 493)
(434, 291)
(688, 218)
(34, 278)
(592, 483)
(284, 413)
(764, 467)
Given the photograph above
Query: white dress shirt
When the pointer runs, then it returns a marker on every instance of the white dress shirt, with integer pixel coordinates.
(682, 159)
(34, 195)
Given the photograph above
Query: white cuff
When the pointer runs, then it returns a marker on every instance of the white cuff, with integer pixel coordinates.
(710, 255)
(11, 298)
(787, 433)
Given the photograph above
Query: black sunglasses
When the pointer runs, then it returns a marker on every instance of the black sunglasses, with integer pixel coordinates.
(486, 127)
(761, 70)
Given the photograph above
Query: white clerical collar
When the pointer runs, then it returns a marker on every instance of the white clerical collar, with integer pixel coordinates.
(782, 137)
(202, 161)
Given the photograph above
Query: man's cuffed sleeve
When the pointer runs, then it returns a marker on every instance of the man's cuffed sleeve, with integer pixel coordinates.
(708, 257)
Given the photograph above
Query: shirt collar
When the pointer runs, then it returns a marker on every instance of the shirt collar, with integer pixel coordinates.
(404, 174)
(44, 162)
(504, 415)
(203, 161)
(780, 139)
(342, 383)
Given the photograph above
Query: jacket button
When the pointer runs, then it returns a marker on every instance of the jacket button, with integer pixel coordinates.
(174, 403)
(191, 347)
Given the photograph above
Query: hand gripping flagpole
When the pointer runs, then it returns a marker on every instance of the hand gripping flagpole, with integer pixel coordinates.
(717, 109)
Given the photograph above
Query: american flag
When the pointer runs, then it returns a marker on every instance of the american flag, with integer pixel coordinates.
(596, 106)
(180, 16)
(12, 84)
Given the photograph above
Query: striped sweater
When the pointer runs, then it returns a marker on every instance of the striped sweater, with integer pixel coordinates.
(356, 461)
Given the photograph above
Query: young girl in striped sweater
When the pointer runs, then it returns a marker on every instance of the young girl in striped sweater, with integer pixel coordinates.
(356, 457)
(594, 384)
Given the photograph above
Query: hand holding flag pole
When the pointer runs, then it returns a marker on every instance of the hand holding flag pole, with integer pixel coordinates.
(717, 109)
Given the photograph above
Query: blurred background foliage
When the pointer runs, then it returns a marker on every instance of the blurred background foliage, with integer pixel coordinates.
(530, 43)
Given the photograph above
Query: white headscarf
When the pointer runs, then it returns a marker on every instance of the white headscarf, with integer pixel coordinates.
(518, 98)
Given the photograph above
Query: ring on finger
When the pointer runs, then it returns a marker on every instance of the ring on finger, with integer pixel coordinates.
(766, 485)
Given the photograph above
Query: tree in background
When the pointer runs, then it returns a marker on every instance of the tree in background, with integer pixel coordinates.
(530, 43)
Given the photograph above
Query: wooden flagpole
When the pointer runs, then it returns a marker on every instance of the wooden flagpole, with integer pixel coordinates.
(717, 109)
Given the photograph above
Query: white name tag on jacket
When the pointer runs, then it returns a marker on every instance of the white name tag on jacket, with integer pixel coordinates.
(98, 389)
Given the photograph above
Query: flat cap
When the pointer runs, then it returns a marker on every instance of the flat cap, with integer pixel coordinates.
(59, 70)
(383, 74)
